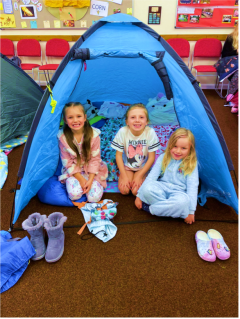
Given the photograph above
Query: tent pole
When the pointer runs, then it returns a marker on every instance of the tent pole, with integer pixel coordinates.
(14, 190)
(235, 177)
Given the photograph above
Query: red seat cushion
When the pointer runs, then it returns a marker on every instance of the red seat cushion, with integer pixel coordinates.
(205, 68)
(49, 67)
(29, 66)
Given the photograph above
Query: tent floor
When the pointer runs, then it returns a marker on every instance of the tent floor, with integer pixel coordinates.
(147, 270)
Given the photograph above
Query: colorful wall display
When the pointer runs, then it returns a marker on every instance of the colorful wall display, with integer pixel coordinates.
(207, 13)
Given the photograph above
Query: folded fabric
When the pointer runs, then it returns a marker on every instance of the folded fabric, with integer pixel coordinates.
(220, 247)
(3, 168)
(15, 256)
(113, 109)
(97, 217)
(204, 246)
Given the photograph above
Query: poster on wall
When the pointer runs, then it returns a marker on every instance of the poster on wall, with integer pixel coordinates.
(154, 15)
(28, 12)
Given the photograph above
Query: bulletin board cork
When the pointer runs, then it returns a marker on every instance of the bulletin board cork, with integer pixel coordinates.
(54, 18)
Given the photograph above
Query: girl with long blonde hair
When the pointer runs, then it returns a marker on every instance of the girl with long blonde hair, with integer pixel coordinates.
(83, 171)
(171, 187)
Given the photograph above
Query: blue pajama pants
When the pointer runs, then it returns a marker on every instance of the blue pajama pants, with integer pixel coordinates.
(165, 199)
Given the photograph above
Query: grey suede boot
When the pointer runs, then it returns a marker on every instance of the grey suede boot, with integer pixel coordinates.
(54, 227)
(34, 226)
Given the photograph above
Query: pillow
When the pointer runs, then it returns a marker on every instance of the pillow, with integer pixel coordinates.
(112, 109)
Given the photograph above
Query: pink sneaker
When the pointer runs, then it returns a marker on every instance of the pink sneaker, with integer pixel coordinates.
(204, 246)
(234, 109)
(221, 249)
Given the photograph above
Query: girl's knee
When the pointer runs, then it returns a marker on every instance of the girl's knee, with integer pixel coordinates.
(124, 191)
(95, 193)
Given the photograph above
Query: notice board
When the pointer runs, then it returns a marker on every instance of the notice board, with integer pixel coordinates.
(206, 13)
(54, 14)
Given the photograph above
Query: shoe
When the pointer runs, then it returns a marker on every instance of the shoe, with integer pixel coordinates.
(234, 109)
(221, 249)
(204, 246)
(34, 226)
(54, 227)
(145, 207)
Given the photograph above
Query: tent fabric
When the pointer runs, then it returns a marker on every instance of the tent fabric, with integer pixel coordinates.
(20, 97)
(126, 80)
(15, 256)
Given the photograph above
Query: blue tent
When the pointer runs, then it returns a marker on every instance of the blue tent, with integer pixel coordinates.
(121, 59)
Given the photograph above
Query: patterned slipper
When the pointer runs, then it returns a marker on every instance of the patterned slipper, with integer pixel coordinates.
(204, 246)
(221, 249)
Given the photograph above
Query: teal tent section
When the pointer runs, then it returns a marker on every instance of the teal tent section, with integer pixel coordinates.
(121, 59)
(20, 97)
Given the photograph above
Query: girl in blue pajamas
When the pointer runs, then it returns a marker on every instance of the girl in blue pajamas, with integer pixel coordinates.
(171, 187)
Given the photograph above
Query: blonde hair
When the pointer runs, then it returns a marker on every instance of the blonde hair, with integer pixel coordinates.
(87, 132)
(137, 106)
(190, 161)
(234, 36)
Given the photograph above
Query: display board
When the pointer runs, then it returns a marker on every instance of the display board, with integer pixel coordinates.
(206, 13)
(54, 14)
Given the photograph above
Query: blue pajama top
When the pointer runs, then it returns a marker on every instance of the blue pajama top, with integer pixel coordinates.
(174, 179)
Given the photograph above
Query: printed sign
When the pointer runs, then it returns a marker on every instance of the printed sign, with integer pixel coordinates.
(7, 6)
(116, 1)
(99, 8)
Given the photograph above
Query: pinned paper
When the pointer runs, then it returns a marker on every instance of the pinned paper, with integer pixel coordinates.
(24, 24)
(7, 21)
(15, 5)
(33, 24)
(182, 10)
(116, 1)
(57, 24)
(99, 8)
(1, 6)
(83, 23)
(7, 5)
(129, 10)
(46, 24)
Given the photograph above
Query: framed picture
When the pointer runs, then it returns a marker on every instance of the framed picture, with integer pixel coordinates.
(235, 23)
(207, 13)
(194, 18)
(235, 13)
(183, 17)
(226, 18)
(28, 12)
(154, 15)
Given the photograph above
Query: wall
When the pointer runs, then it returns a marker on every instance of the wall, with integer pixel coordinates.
(140, 11)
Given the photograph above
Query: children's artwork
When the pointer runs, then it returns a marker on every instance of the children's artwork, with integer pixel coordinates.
(69, 23)
(183, 17)
(26, 2)
(39, 7)
(28, 12)
(194, 18)
(129, 11)
(196, 1)
(24, 24)
(185, 1)
(116, 11)
(154, 15)
(99, 8)
(15, 6)
(7, 21)
(1, 6)
(235, 23)
(7, 6)
(226, 19)
(235, 13)
(236, 3)
(46, 24)
(57, 24)
(116, 1)
(34, 1)
(207, 13)
(205, 1)
(33, 24)
(83, 23)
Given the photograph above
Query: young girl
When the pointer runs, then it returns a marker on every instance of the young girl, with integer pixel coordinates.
(83, 170)
(172, 185)
(136, 144)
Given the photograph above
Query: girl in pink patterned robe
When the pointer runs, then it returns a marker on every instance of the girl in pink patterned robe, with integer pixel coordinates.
(83, 170)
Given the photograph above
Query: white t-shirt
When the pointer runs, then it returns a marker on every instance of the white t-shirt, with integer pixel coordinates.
(135, 148)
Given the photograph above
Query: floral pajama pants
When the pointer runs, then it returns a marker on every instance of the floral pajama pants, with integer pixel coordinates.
(75, 191)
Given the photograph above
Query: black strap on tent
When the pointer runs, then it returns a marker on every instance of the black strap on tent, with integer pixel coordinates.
(83, 54)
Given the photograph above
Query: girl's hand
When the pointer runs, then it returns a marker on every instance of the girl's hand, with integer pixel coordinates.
(125, 182)
(138, 203)
(87, 186)
(82, 182)
(137, 180)
(190, 219)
